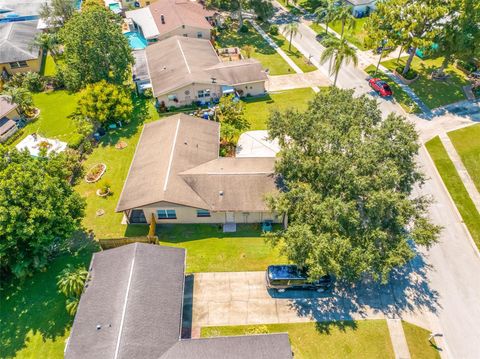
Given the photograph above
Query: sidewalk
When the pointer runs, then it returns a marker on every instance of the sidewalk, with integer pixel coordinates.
(462, 171)
(397, 336)
(282, 53)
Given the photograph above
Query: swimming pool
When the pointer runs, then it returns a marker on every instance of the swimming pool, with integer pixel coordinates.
(136, 40)
(115, 7)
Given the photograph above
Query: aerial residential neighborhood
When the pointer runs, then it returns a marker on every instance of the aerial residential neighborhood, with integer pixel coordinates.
(218, 179)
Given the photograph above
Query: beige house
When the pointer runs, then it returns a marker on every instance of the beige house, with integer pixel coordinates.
(183, 70)
(165, 18)
(17, 52)
(178, 176)
(8, 115)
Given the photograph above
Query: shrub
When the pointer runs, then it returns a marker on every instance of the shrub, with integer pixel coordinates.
(467, 65)
(273, 30)
(148, 93)
(244, 29)
(33, 82)
(410, 75)
(76, 141)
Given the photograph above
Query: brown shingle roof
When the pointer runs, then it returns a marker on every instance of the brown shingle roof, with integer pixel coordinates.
(177, 161)
(179, 12)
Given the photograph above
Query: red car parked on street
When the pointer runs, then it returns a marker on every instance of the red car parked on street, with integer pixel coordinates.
(381, 87)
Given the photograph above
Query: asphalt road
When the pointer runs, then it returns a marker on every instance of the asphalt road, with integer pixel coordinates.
(450, 271)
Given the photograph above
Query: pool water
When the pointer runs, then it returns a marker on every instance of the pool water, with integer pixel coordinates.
(136, 40)
(114, 6)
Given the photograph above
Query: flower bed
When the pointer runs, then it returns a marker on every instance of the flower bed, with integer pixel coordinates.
(95, 173)
(410, 77)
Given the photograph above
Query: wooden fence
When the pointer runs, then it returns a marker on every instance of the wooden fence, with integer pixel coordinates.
(118, 242)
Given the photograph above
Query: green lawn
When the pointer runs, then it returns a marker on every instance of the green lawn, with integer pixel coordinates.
(118, 162)
(434, 93)
(263, 52)
(53, 122)
(33, 320)
(418, 344)
(455, 186)
(342, 339)
(257, 109)
(48, 67)
(292, 52)
(467, 144)
(400, 96)
(211, 250)
(355, 35)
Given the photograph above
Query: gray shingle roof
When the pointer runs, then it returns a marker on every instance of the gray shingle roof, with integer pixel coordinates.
(16, 41)
(177, 161)
(6, 106)
(135, 293)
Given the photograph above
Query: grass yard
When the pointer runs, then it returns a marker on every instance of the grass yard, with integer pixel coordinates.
(434, 93)
(118, 162)
(418, 344)
(467, 144)
(355, 35)
(263, 52)
(211, 250)
(400, 96)
(53, 122)
(49, 68)
(341, 339)
(455, 186)
(257, 109)
(33, 320)
(296, 56)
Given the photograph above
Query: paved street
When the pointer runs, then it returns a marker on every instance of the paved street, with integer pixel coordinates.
(442, 286)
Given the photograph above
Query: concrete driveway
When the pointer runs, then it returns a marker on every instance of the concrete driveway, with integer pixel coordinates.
(237, 298)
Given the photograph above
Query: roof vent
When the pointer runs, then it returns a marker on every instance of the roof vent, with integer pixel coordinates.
(186, 142)
(220, 193)
(162, 18)
(99, 327)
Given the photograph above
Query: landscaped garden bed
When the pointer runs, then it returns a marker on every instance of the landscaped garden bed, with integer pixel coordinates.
(95, 173)
(409, 78)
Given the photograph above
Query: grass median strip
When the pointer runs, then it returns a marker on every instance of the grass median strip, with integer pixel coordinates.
(455, 187)
(418, 343)
(467, 143)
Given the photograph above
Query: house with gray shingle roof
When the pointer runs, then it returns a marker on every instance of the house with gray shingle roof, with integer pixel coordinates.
(177, 175)
(8, 116)
(132, 305)
(17, 52)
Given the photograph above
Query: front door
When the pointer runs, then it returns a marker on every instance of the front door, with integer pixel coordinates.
(230, 217)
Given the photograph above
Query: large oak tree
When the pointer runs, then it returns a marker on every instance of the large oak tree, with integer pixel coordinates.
(348, 177)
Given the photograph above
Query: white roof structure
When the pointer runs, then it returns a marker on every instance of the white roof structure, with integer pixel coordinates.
(143, 17)
(33, 143)
(256, 144)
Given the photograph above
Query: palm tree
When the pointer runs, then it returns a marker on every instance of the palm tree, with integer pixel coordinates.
(71, 281)
(344, 14)
(291, 31)
(48, 42)
(20, 96)
(338, 51)
(326, 12)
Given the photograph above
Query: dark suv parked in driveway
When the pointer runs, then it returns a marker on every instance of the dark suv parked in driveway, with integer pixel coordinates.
(282, 277)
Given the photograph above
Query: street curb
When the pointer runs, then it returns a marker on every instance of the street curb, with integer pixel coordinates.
(459, 216)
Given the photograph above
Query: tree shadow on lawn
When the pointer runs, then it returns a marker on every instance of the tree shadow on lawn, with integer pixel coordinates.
(35, 305)
(408, 291)
(232, 38)
(139, 115)
(261, 98)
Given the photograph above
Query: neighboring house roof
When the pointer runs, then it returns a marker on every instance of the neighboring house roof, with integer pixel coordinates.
(16, 41)
(177, 161)
(6, 125)
(180, 61)
(140, 68)
(132, 305)
(5, 106)
(176, 13)
(21, 8)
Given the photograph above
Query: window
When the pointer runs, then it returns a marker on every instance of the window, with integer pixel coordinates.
(199, 35)
(204, 93)
(17, 64)
(203, 213)
(173, 97)
(166, 214)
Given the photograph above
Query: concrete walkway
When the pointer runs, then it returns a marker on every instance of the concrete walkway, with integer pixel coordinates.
(462, 171)
(399, 342)
(282, 53)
